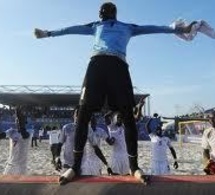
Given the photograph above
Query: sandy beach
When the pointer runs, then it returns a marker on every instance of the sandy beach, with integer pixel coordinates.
(39, 160)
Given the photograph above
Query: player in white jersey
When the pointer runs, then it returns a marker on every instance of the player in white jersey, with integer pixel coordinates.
(53, 141)
(93, 156)
(66, 144)
(208, 145)
(66, 139)
(159, 146)
(41, 133)
(19, 140)
(119, 155)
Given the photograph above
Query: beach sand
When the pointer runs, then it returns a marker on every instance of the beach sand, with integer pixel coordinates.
(39, 160)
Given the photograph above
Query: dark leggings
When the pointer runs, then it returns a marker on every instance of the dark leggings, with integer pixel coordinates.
(107, 79)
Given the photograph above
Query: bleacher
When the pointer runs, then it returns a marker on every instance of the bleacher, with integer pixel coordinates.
(48, 105)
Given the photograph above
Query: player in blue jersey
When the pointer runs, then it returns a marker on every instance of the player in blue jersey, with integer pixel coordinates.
(108, 61)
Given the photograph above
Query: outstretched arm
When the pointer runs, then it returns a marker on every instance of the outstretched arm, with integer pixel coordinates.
(79, 29)
(150, 29)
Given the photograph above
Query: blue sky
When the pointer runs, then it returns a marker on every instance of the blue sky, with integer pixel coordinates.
(177, 74)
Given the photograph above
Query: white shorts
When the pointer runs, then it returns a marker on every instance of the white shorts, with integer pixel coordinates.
(160, 168)
(120, 165)
(91, 166)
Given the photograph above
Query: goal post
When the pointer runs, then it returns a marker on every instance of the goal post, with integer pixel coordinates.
(191, 131)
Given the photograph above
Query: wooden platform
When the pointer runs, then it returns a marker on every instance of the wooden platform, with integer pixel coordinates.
(106, 185)
(108, 179)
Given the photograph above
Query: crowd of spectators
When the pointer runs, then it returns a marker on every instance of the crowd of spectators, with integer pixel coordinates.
(45, 118)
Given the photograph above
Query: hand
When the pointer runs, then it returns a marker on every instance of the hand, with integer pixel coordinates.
(40, 33)
(58, 164)
(110, 140)
(188, 28)
(109, 171)
(175, 165)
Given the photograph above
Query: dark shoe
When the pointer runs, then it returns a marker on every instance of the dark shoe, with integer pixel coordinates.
(146, 179)
(139, 175)
(67, 176)
(66, 166)
(110, 172)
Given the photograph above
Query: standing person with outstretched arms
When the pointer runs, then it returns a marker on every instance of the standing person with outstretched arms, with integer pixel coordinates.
(108, 61)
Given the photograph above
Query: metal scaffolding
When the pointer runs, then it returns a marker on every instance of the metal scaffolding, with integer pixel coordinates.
(59, 90)
(40, 89)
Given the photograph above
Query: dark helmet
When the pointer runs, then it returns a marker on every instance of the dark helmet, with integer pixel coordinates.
(107, 11)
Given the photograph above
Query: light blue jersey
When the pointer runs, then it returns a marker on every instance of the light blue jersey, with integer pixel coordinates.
(111, 36)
